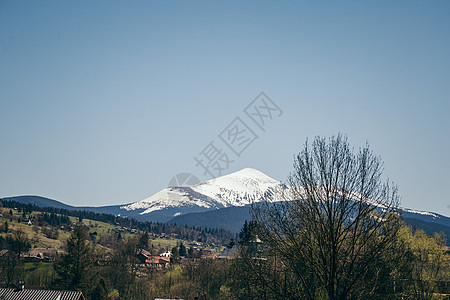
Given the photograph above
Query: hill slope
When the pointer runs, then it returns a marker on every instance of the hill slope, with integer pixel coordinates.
(39, 201)
(230, 218)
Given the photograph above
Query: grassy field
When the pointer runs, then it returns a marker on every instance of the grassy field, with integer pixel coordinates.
(165, 243)
(38, 239)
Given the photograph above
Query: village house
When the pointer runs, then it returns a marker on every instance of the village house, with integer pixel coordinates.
(229, 253)
(143, 255)
(146, 258)
(36, 294)
(40, 254)
(158, 261)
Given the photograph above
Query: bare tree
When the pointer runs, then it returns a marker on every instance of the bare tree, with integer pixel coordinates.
(10, 267)
(21, 241)
(338, 221)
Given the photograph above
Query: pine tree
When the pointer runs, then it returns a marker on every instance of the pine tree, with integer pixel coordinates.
(143, 241)
(175, 255)
(74, 268)
(182, 250)
(247, 232)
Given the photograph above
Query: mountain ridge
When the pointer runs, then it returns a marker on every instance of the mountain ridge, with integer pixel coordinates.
(221, 202)
(232, 218)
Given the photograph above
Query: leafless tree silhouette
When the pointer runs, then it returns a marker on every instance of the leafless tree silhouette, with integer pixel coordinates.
(338, 222)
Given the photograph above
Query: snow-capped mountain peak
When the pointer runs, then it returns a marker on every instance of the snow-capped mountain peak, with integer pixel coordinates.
(236, 189)
(240, 188)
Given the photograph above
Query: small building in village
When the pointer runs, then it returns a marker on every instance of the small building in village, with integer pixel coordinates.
(40, 254)
(39, 294)
(148, 259)
(229, 253)
(158, 261)
(166, 254)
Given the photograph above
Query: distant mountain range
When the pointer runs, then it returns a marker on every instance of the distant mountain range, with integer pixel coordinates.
(233, 190)
(46, 202)
(223, 202)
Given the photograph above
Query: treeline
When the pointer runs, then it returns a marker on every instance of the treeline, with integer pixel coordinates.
(416, 268)
(53, 219)
(59, 216)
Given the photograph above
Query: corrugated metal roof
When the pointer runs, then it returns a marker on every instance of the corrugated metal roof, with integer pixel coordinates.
(25, 294)
(72, 295)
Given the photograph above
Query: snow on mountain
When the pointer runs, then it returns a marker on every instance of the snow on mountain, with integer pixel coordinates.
(426, 213)
(237, 189)
(172, 197)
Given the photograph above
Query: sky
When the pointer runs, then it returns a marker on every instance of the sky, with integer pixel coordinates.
(104, 102)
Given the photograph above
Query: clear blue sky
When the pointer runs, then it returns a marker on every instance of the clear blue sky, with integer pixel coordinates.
(103, 102)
